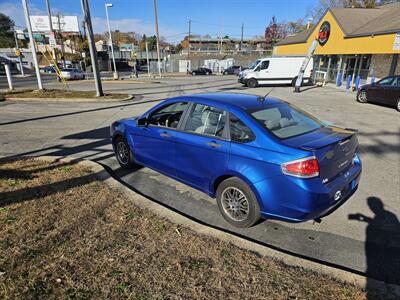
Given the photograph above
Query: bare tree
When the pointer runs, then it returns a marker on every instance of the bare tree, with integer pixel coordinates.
(316, 12)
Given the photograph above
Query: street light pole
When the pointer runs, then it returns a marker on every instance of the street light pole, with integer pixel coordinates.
(32, 42)
(19, 54)
(92, 48)
(107, 5)
(157, 38)
(148, 62)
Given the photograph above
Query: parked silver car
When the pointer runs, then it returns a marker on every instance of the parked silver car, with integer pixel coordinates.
(70, 74)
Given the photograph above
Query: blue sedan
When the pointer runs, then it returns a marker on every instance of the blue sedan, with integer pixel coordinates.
(259, 157)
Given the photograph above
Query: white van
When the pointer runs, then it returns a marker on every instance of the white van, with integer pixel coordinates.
(275, 70)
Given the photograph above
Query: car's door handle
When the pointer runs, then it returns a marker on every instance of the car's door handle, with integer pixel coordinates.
(213, 144)
(165, 135)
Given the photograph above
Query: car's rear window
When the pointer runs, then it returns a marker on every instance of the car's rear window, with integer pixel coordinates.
(285, 121)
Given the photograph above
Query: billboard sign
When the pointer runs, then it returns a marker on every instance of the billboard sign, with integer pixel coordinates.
(67, 23)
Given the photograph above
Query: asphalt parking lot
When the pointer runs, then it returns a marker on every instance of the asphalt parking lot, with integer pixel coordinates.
(371, 246)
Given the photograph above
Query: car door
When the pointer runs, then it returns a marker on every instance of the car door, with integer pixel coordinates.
(154, 144)
(202, 146)
(264, 72)
(378, 92)
(392, 92)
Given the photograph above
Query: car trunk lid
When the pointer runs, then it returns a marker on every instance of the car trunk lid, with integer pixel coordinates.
(333, 147)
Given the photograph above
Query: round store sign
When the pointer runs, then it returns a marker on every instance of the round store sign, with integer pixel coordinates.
(324, 33)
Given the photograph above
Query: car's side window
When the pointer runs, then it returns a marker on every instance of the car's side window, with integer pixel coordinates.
(168, 116)
(239, 131)
(386, 81)
(265, 65)
(207, 120)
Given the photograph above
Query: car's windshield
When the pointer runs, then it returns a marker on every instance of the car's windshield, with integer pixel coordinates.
(285, 121)
(254, 64)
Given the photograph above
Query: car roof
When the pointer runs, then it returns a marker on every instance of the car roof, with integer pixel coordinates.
(242, 101)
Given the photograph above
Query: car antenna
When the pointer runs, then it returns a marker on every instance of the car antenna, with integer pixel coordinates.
(262, 99)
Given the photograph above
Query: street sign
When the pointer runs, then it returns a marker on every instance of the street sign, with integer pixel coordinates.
(396, 43)
(83, 54)
(52, 42)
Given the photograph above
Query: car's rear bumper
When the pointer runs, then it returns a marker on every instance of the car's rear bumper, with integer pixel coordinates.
(298, 200)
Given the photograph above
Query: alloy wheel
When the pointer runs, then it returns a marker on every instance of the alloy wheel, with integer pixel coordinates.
(363, 97)
(123, 153)
(235, 204)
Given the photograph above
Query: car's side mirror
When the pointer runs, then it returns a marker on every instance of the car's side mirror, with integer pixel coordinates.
(258, 69)
(142, 121)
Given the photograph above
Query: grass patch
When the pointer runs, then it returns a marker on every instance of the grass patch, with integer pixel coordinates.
(61, 94)
(74, 237)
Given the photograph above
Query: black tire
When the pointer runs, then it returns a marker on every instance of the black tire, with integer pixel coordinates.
(125, 159)
(225, 73)
(194, 73)
(207, 73)
(362, 96)
(245, 220)
(252, 83)
(398, 104)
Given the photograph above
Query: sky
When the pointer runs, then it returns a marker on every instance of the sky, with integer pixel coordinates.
(213, 17)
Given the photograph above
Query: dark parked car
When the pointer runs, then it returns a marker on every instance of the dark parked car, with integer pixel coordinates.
(201, 71)
(233, 70)
(385, 91)
(260, 157)
(49, 69)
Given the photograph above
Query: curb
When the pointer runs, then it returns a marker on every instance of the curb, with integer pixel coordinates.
(71, 100)
(388, 290)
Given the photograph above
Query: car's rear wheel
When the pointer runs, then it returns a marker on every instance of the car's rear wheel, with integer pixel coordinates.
(207, 73)
(252, 83)
(194, 73)
(123, 153)
(398, 105)
(237, 203)
(225, 73)
(362, 96)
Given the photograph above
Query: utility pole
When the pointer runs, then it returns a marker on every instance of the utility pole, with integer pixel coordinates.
(115, 74)
(147, 57)
(188, 54)
(92, 48)
(157, 38)
(61, 40)
(241, 38)
(32, 42)
(52, 34)
(84, 29)
(19, 54)
(222, 32)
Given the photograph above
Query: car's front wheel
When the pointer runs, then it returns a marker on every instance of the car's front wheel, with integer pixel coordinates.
(398, 105)
(194, 73)
(123, 153)
(362, 96)
(252, 83)
(237, 203)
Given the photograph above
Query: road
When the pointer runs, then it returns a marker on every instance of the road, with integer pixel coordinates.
(369, 247)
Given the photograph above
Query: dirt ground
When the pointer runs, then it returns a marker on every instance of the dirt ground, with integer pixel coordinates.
(65, 234)
(50, 94)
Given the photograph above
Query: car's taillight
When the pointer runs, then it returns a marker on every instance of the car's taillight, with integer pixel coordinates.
(304, 168)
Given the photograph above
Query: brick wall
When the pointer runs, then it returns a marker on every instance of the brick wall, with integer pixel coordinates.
(380, 65)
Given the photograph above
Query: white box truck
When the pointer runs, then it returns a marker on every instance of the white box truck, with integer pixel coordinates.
(275, 70)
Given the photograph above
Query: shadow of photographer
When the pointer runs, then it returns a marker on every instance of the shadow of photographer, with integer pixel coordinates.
(382, 244)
